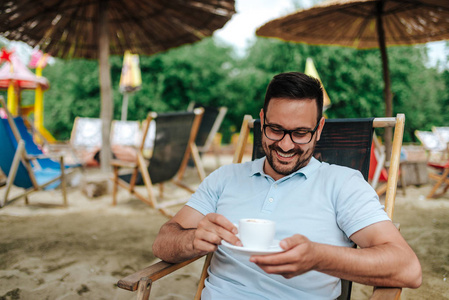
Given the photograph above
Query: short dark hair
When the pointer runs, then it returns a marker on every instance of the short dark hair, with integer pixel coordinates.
(295, 86)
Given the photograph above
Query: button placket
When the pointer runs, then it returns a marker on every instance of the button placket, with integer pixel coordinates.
(270, 200)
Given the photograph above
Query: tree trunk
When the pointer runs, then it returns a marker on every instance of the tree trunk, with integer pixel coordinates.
(107, 105)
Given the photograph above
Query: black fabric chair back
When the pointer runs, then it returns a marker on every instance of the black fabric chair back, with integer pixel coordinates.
(171, 142)
(344, 142)
(207, 122)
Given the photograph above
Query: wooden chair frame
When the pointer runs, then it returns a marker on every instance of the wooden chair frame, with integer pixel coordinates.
(21, 156)
(142, 280)
(442, 180)
(141, 165)
(210, 139)
(434, 142)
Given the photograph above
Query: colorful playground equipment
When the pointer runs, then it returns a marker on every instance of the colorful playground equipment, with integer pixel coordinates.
(15, 77)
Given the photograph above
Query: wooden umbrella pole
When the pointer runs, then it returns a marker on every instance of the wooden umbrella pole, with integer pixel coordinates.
(388, 135)
(105, 88)
(125, 106)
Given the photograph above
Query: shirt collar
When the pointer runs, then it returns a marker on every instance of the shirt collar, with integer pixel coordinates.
(307, 171)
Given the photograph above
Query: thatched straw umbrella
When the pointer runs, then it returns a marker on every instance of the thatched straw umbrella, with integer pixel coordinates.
(96, 29)
(365, 24)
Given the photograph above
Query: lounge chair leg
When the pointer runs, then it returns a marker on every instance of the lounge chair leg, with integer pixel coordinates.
(144, 289)
(63, 183)
(115, 187)
(161, 190)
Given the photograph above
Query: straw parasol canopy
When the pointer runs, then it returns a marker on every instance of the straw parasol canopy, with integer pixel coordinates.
(71, 28)
(96, 29)
(365, 24)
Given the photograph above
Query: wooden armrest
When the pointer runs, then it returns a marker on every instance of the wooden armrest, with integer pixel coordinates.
(40, 156)
(59, 144)
(386, 293)
(122, 163)
(153, 272)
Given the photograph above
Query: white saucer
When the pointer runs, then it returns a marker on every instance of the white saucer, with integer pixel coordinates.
(274, 248)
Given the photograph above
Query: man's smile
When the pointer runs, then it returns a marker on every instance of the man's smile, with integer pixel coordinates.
(285, 155)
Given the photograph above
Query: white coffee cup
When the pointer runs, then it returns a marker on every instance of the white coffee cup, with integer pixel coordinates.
(256, 233)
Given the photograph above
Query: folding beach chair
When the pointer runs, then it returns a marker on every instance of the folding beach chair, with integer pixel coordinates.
(84, 144)
(443, 135)
(33, 149)
(85, 139)
(173, 144)
(20, 170)
(346, 142)
(437, 143)
(210, 124)
(125, 139)
(441, 178)
(436, 149)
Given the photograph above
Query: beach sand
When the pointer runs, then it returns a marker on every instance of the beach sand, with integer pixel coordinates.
(80, 252)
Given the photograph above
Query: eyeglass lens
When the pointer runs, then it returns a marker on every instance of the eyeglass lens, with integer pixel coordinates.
(297, 136)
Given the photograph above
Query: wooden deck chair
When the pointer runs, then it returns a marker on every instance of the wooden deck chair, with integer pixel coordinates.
(440, 175)
(32, 148)
(436, 150)
(437, 141)
(125, 139)
(85, 141)
(330, 147)
(174, 143)
(378, 172)
(210, 124)
(442, 133)
(20, 171)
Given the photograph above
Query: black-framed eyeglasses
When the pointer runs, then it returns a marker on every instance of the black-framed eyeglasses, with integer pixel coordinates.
(298, 136)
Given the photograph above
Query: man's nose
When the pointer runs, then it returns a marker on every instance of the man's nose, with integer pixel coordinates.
(286, 144)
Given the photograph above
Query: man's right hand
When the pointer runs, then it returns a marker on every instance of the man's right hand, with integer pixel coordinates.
(211, 230)
(189, 234)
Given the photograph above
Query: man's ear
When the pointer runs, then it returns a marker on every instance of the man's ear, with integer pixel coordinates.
(261, 115)
(320, 128)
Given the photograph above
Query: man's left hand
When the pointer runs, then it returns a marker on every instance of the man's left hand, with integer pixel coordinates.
(299, 257)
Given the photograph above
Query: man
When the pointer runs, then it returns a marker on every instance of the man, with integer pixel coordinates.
(320, 211)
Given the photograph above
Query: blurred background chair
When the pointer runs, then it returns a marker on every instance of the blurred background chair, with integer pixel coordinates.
(440, 175)
(345, 142)
(436, 150)
(84, 143)
(206, 138)
(174, 140)
(125, 139)
(378, 171)
(34, 149)
(443, 135)
(436, 142)
(20, 170)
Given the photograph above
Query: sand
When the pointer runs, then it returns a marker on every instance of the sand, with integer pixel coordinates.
(80, 252)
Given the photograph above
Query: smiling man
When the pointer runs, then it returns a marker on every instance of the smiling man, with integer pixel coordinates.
(320, 211)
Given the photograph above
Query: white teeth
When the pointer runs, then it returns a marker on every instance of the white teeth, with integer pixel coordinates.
(285, 154)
